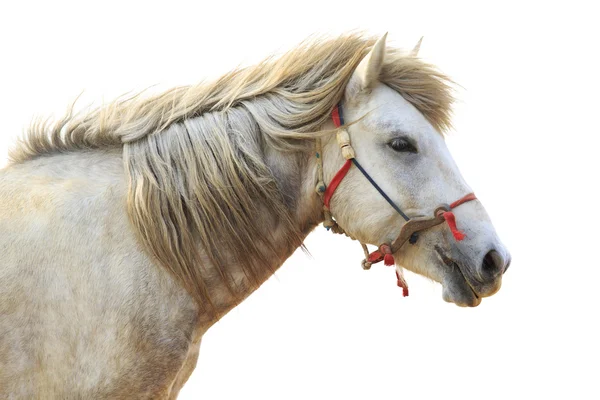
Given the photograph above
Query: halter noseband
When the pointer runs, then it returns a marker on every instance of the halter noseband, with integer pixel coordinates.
(442, 213)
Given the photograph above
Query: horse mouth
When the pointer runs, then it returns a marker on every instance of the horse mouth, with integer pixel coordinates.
(458, 286)
(467, 280)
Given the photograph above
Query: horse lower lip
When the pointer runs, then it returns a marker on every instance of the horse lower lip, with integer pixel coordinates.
(466, 280)
(451, 263)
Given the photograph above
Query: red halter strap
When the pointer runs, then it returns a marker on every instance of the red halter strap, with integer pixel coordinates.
(335, 182)
(462, 200)
(337, 116)
(338, 120)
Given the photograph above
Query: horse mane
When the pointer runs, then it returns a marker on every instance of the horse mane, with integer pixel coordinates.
(193, 154)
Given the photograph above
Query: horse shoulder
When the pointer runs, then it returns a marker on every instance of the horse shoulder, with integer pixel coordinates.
(84, 311)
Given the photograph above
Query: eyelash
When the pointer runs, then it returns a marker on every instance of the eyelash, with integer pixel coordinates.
(402, 145)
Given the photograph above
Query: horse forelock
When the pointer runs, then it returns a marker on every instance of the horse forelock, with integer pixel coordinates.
(194, 155)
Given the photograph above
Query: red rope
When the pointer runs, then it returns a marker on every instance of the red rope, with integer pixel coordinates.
(337, 179)
(402, 283)
(375, 257)
(451, 221)
(339, 176)
(468, 197)
(388, 257)
(451, 218)
(335, 115)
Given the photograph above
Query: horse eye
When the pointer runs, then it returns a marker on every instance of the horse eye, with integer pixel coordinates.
(402, 145)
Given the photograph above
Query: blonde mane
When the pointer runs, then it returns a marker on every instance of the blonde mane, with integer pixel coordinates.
(194, 154)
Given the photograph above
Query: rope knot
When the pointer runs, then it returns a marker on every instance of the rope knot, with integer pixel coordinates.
(366, 264)
(451, 221)
(388, 258)
(402, 282)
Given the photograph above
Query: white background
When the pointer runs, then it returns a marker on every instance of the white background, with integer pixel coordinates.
(526, 140)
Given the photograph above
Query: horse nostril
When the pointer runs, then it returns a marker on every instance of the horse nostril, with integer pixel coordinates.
(492, 264)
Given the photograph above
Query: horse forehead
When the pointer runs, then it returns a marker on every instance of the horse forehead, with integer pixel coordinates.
(388, 109)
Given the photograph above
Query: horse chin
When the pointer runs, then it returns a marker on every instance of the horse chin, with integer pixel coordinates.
(462, 295)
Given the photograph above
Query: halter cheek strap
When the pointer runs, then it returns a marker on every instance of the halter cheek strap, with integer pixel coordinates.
(335, 182)
(409, 229)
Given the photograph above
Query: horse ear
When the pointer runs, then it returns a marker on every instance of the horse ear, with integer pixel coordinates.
(367, 73)
(415, 50)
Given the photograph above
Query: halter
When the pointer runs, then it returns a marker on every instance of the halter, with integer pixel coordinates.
(385, 251)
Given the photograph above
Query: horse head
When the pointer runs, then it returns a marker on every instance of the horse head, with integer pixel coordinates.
(391, 168)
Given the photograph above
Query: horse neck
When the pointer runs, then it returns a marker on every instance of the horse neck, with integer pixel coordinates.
(295, 174)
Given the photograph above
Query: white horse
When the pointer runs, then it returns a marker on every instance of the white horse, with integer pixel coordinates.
(126, 232)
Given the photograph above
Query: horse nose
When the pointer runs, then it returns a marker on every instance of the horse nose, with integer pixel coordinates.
(493, 264)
